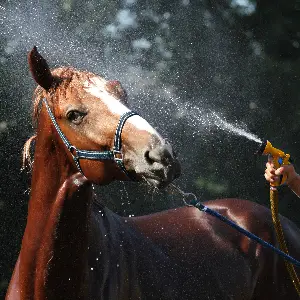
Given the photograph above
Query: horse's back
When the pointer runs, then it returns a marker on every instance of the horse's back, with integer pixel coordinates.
(216, 258)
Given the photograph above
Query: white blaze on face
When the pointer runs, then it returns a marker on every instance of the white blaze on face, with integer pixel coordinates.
(96, 87)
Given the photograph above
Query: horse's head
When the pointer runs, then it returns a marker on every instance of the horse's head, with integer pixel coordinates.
(87, 110)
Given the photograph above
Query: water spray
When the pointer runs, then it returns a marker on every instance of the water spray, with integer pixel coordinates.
(279, 159)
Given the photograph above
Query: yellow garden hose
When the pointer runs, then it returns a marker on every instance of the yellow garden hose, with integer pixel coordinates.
(280, 237)
(279, 158)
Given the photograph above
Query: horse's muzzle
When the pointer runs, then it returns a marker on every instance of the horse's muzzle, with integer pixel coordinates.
(160, 166)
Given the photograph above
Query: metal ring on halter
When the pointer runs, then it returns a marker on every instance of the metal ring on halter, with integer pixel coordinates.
(118, 155)
(73, 150)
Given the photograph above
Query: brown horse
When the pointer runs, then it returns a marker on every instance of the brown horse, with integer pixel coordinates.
(75, 248)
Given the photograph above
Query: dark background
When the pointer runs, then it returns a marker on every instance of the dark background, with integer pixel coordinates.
(182, 62)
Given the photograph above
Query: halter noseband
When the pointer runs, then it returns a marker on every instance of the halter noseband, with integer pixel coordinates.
(116, 154)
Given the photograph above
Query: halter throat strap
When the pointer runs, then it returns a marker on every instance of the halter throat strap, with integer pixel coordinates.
(77, 154)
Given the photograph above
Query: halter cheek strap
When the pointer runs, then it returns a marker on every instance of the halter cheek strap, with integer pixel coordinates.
(77, 154)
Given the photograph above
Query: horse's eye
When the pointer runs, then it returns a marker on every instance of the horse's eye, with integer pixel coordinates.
(75, 116)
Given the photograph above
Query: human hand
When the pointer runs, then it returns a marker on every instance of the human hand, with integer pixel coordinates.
(273, 175)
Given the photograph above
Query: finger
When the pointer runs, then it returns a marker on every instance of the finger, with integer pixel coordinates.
(270, 165)
(269, 179)
(279, 171)
(270, 174)
(270, 171)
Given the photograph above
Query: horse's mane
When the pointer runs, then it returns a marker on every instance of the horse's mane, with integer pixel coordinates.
(63, 78)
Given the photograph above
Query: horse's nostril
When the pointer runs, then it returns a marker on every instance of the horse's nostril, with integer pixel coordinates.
(147, 157)
(160, 154)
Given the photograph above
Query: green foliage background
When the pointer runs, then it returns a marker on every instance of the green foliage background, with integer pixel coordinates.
(238, 58)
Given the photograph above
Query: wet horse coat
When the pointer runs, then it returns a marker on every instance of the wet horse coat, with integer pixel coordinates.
(75, 248)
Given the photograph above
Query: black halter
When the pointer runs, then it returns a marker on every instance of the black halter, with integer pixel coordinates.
(116, 154)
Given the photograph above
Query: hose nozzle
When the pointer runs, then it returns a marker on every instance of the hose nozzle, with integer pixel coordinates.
(266, 148)
(262, 148)
(279, 157)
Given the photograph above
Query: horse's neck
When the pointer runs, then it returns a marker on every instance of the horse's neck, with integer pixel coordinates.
(50, 170)
(54, 245)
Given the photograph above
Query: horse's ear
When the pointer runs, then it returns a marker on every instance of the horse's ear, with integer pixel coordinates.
(39, 69)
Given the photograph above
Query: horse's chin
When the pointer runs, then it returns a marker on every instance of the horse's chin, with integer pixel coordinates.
(162, 182)
(157, 183)
(157, 175)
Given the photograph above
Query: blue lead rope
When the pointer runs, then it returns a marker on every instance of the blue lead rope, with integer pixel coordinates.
(245, 232)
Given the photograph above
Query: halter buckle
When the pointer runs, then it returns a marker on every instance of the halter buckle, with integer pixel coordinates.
(73, 151)
(118, 156)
